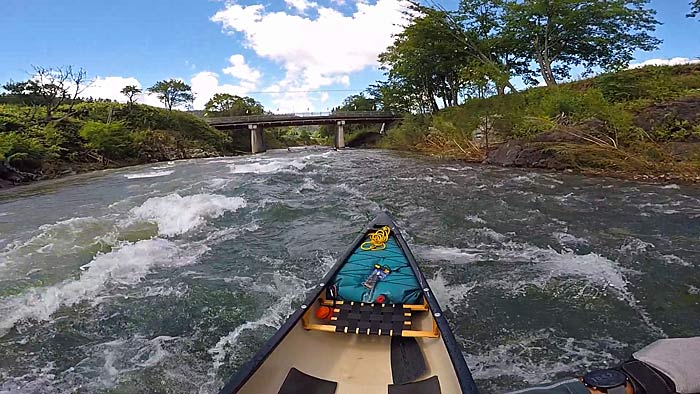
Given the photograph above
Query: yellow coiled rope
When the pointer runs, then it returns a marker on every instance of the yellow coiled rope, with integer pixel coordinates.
(377, 239)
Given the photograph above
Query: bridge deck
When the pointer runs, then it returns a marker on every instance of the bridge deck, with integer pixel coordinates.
(318, 118)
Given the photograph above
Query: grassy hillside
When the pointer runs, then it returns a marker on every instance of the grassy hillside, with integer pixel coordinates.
(644, 122)
(100, 135)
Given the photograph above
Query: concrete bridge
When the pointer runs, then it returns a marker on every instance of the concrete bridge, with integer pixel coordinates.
(257, 123)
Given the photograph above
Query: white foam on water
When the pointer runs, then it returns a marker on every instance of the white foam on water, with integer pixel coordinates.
(692, 290)
(177, 215)
(49, 231)
(52, 241)
(151, 174)
(530, 358)
(566, 239)
(110, 361)
(475, 219)
(268, 166)
(308, 184)
(127, 265)
(675, 260)
(562, 273)
(287, 288)
(634, 246)
(218, 183)
(454, 255)
(659, 208)
(440, 179)
(671, 186)
(487, 234)
(449, 295)
(600, 274)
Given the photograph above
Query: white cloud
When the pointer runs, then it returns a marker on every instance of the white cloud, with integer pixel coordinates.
(315, 52)
(110, 88)
(665, 62)
(241, 70)
(301, 5)
(206, 83)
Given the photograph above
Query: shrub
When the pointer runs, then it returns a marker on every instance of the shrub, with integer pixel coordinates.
(21, 151)
(412, 131)
(112, 140)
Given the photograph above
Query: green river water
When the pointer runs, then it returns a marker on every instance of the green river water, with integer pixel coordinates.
(165, 278)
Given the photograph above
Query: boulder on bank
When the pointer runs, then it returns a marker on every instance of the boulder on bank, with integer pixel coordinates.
(661, 115)
(537, 152)
(524, 154)
(10, 176)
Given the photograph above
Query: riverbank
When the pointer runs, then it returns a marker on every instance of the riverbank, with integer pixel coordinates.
(91, 136)
(641, 124)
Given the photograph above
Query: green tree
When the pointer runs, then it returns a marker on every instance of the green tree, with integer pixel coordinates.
(173, 93)
(394, 96)
(224, 104)
(428, 56)
(358, 102)
(495, 60)
(694, 9)
(131, 91)
(559, 34)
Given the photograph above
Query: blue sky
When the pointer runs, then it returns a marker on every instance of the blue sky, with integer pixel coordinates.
(286, 46)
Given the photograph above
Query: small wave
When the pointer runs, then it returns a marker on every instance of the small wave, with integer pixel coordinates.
(271, 166)
(62, 238)
(109, 362)
(455, 255)
(487, 235)
(287, 288)
(671, 186)
(308, 184)
(127, 265)
(475, 219)
(449, 295)
(568, 240)
(176, 215)
(675, 260)
(634, 246)
(152, 174)
(439, 180)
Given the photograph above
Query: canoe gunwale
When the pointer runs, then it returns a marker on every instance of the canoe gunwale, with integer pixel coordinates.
(464, 376)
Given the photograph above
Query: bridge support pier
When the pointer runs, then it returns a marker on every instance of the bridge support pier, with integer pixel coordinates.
(340, 135)
(257, 143)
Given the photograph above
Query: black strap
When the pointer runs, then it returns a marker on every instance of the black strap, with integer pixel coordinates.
(647, 380)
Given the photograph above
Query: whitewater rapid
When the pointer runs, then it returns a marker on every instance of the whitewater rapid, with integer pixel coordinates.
(170, 276)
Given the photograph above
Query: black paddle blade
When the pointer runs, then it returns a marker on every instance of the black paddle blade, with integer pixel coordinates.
(407, 362)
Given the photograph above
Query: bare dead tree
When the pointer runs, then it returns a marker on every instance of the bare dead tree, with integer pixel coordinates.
(79, 82)
(54, 86)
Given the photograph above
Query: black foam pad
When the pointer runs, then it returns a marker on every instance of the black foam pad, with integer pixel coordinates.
(298, 382)
(407, 362)
(427, 386)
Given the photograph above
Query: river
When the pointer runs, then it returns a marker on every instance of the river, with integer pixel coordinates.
(167, 277)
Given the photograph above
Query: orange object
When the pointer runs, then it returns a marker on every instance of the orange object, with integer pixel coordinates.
(324, 312)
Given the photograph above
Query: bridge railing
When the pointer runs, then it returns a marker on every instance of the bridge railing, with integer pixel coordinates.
(290, 116)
